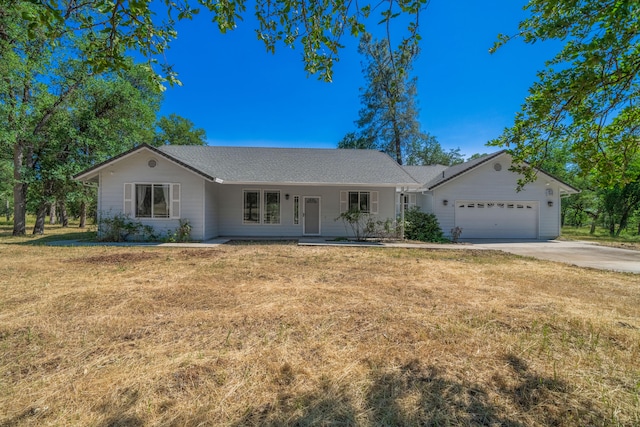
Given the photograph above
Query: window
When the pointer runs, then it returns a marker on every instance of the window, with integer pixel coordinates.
(409, 201)
(364, 201)
(251, 214)
(271, 207)
(152, 200)
(296, 210)
(359, 201)
(261, 207)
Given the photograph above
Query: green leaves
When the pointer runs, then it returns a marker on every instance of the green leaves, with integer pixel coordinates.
(388, 120)
(176, 130)
(587, 97)
(317, 26)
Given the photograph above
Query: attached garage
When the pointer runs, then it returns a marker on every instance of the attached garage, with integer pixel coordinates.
(481, 219)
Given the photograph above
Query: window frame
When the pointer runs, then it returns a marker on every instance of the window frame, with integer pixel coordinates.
(265, 207)
(258, 206)
(372, 198)
(262, 206)
(173, 201)
(296, 210)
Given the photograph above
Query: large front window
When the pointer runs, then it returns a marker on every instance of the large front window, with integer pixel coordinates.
(152, 200)
(261, 207)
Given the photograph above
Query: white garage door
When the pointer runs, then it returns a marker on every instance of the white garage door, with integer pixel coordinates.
(487, 219)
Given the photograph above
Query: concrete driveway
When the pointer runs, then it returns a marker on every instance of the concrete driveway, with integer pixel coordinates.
(582, 254)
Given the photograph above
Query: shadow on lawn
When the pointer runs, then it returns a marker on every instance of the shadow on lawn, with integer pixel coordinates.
(52, 234)
(433, 399)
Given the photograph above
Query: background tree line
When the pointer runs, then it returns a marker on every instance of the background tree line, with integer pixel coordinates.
(60, 115)
(64, 73)
(581, 121)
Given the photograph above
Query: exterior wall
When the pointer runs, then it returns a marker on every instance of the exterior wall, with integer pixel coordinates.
(425, 202)
(134, 169)
(210, 210)
(485, 183)
(230, 210)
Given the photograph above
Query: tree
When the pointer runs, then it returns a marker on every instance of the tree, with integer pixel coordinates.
(388, 119)
(355, 141)
(6, 176)
(620, 203)
(40, 91)
(428, 151)
(587, 97)
(106, 116)
(113, 27)
(28, 99)
(176, 130)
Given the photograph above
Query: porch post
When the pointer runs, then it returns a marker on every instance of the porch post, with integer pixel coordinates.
(401, 216)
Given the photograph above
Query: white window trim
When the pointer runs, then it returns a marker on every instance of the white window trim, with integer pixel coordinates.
(244, 193)
(264, 207)
(373, 200)
(174, 203)
(296, 218)
(261, 204)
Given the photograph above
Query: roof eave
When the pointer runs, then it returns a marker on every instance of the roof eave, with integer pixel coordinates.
(328, 184)
(91, 173)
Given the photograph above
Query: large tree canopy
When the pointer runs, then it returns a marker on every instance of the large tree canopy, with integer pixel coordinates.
(149, 26)
(587, 97)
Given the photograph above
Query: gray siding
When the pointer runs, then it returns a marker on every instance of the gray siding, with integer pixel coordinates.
(134, 169)
(485, 183)
(230, 206)
(211, 210)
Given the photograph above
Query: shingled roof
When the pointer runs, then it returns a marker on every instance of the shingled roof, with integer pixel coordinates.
(259, 165)
(424, 174)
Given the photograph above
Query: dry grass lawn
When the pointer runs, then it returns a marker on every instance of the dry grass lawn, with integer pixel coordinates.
(276, 334)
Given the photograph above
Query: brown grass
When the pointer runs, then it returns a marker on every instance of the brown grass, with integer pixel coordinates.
(287, 335)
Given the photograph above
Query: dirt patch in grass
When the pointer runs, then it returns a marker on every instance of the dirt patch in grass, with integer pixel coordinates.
(276, 334)
(118, 258)
(135, 256)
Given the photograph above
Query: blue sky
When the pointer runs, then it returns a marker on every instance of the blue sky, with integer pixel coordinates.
(242, 95)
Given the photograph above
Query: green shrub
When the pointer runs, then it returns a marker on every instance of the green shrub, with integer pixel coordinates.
(422, 226)
(182, 233)
(365, 226)
(121, 228)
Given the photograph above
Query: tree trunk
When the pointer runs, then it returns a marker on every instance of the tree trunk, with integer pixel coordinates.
(612, 226)
(19, 192)
(624, 220)
(64, 218)
(52, 213)
(83, 214)
(593, 227)
(8, 212)
(397, 142)
(38, 228)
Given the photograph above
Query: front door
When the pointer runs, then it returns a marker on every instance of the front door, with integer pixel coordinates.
(311, 216)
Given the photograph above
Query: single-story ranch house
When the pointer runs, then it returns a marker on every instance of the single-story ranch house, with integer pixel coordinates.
(295, 192)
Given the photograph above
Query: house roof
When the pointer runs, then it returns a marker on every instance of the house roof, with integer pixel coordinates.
(424, 174)
(258, 165)
(459, 169)
(456, 171)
